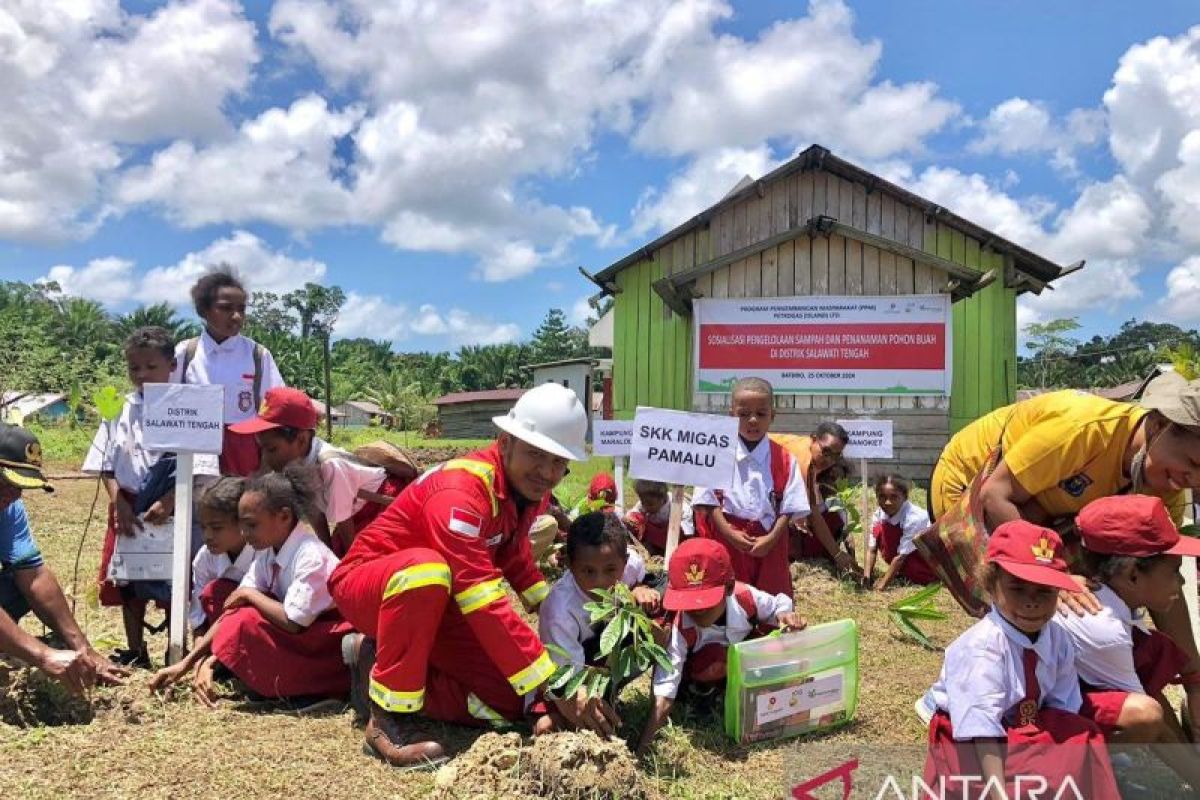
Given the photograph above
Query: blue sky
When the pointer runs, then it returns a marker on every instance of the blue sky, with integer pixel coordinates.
(450, 165)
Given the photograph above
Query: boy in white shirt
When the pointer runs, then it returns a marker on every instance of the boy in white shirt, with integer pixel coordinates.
(124, 465)
(1133, 549)
(222, 356)
(651, 516)
(751, 519)
(352, 492)
(712, 611)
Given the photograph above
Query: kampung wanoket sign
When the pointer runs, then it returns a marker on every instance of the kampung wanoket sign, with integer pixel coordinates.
(683, 448)
(896, 345)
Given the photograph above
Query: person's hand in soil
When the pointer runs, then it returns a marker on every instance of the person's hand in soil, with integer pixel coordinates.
(127, 522)
(1079, 603)
(846, 563)
(647, 599)
(169, 676)
(204, 684)
(107, 673)
(76, 674)
(792, 621)
(588, 713)
(161, 510)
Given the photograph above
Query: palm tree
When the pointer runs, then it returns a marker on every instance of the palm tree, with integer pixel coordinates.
(398, 397)
(160, 315)
(82, 324)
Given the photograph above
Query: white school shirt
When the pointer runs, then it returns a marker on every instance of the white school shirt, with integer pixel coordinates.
(341, 480)
(305, 564)
(208, 567)
(737, 627)
(911, 519)
(562, 620)
(117, 448)
(229, 364)
(750, 496)
(983, 676)
(1104, 643)
(663, 517)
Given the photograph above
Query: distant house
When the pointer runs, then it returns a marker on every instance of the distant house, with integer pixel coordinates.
(18, 405)
(360, 413)
(468, 415)
(317, 404)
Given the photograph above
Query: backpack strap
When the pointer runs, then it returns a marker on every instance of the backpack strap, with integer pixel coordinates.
(781, 468)
(189, 355)
(690, 635)
(258, 359)
(745, 599)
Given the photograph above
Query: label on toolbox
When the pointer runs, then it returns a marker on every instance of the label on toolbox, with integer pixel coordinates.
(797, 699)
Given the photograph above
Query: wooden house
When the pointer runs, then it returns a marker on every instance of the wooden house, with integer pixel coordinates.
(360, 414)
(820, 225)
(468, 415)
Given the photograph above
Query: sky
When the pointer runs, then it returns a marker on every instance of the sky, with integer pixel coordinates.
(450, 165)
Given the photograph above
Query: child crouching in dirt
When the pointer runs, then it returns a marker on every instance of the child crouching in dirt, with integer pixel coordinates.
(712, 611)
(219, 567)
(279, 634)
(651, 517)
(598, 557)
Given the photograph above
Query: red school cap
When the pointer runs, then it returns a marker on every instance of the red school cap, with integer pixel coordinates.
(1032, 553)
(602, 482)
(1132, 525)
(282, 407)
(699, 572)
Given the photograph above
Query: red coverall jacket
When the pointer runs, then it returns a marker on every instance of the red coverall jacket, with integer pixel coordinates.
(463, 510)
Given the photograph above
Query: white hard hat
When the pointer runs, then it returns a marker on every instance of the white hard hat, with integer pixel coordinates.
(551, 418)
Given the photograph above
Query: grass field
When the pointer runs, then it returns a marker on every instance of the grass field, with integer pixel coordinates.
(140, 746)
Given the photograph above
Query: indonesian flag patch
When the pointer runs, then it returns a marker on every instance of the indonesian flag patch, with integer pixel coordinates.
(464, 522)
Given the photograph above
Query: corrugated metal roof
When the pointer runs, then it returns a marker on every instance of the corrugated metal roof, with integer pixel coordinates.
(492, 395)
(818, 157)
(27, 403)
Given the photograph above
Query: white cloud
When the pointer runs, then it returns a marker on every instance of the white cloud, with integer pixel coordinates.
(84, 81)
(1023, 126)
(1181, 189)
(580, 311)
(1182, 301)
(375, 316)
(704, 181)
(107, 280)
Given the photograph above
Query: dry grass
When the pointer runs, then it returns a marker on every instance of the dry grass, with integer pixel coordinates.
(145, 747)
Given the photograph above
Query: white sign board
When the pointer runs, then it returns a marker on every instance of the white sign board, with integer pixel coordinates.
(611, 437)
(869, 438)
(183, 417)
(683, 448)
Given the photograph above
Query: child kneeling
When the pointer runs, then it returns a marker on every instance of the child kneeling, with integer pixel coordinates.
(712, 610)
(1134, 550)
(280, 634)
(218, 569)
(1007, 702)
(598, 557)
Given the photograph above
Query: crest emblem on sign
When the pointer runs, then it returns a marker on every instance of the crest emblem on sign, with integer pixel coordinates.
(245, 401)
(33, 454)
(694, 575)
(1043, 551)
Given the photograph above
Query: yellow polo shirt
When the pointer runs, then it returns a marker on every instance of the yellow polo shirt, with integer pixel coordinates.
(1066, 448)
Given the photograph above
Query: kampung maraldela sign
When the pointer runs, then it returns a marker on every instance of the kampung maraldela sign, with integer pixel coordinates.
(826, 345)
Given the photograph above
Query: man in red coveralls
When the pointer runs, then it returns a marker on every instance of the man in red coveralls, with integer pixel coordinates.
(424, 582)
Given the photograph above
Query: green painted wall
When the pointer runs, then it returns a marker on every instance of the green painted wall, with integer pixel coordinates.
(652, 348)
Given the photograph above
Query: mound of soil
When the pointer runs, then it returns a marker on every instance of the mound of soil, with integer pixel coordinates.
(30, 699)
(426, 457)
(566, 766)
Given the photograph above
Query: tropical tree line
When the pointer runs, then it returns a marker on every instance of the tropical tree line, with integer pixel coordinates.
(52, 342)
(1059, 358)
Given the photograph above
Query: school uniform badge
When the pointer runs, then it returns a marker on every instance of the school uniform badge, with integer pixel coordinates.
(1075, 485)
(464, 522)
(245, 401)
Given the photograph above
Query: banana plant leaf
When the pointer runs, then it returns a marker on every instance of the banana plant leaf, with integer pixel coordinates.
(918, 606)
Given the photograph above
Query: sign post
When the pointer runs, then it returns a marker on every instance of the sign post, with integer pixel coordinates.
(185, 419)
(682, 448)
(869, 438)
(611, 437)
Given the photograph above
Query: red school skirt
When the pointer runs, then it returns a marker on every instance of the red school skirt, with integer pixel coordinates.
(1058, 746)
(915, 569)
(769, 573)
(277, 664)
(1158, 662)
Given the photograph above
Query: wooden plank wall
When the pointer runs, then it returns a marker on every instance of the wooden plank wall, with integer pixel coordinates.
(471, 420)
(653, 347)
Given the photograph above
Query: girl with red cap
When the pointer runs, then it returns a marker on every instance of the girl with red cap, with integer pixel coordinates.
(353, 492)
(1133, 551)
(712, 610)
(1006, 705)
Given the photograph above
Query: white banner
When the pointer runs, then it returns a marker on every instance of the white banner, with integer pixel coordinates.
(684, 448)
(183, 417)
(898, 345)
(611, 437)
(869, 438)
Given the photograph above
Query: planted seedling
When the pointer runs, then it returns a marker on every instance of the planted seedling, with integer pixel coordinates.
(627, 645)
(918, 606)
